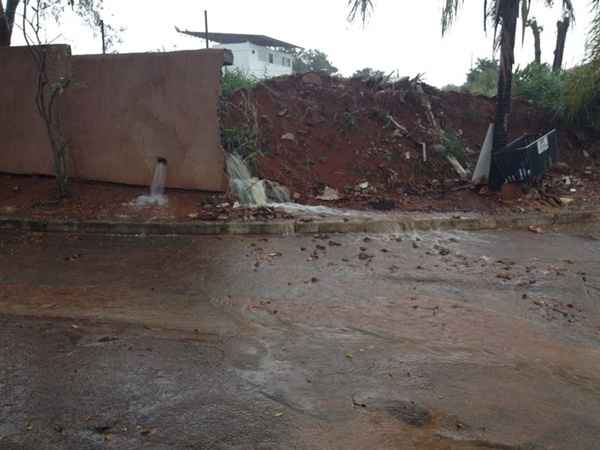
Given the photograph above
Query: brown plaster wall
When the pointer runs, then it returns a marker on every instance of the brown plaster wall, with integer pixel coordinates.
(24, 145)
(120, 114)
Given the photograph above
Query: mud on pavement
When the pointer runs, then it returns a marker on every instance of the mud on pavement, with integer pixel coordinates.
(412, 341)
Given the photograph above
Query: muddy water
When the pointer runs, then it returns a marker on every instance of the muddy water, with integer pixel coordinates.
(411, 341)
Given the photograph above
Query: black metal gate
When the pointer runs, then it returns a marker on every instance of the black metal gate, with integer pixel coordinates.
(526, 159)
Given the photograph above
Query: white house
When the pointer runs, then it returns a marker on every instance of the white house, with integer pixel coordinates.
(255, 55)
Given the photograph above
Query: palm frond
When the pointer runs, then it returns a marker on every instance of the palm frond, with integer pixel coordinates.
(360, 8)
(594, 36)
(449, 13)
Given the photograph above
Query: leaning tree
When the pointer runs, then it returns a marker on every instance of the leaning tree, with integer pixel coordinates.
(503, 15)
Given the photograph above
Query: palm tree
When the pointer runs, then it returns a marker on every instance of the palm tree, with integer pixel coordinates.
(594, 40)
(503, 14)
(7, 20)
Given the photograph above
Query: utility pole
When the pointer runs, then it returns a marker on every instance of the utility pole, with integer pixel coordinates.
(206, 26)
(103, 37)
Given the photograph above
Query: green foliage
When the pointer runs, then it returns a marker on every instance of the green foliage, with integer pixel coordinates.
(454, 145)
(573, 95)
(241, 141)
(539, 84)
(368, 73)
(482, 79)
(582, 95)
(234, 79)
(312, 61)
(452, 88)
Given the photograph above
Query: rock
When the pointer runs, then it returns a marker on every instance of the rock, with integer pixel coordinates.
(566, 200)
(511, 191)
(364, 256)
(283, 112)
(289, 137)
(297, 196)
(363, 186)
(534, 194)
(193, 216)
(444, 251)
(535, 229)
(312, 78)
(586, 154)
(382, 204)
(9, 210)
(16, 188)
(329, 195)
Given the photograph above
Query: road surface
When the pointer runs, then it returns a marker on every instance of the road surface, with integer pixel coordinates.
(412, 341)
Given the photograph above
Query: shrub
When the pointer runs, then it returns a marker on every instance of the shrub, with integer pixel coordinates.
(582, 96)
(482, 79)
(541, 86)
(234, 79)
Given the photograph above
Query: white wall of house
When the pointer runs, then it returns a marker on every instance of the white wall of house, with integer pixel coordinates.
(260, 62)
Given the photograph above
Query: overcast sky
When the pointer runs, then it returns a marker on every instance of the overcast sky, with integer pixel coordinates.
(401, 35)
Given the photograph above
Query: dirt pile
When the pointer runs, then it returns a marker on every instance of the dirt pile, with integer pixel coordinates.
(363, 139)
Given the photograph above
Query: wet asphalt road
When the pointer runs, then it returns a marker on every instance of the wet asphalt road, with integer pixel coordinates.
(429, 341)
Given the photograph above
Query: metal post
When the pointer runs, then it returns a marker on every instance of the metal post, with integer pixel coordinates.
(206, 26)
(103, 37)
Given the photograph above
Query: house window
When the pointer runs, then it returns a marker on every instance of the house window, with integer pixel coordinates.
(271, 58)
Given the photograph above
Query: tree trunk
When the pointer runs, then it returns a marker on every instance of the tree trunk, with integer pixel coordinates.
(537, 40)
(561, 37)
(4, 29)
(509, 13)
(7, 20)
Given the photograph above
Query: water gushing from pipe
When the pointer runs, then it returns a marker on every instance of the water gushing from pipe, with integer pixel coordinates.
(157, 195)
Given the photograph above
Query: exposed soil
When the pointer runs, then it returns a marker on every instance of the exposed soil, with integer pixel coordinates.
(315, 131)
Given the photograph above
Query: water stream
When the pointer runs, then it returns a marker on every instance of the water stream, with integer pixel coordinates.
(254, 192)
(157, 195)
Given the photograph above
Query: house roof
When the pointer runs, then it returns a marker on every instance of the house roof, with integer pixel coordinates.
(236, 38)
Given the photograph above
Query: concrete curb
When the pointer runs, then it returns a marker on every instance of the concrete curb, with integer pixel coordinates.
(289, 227)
